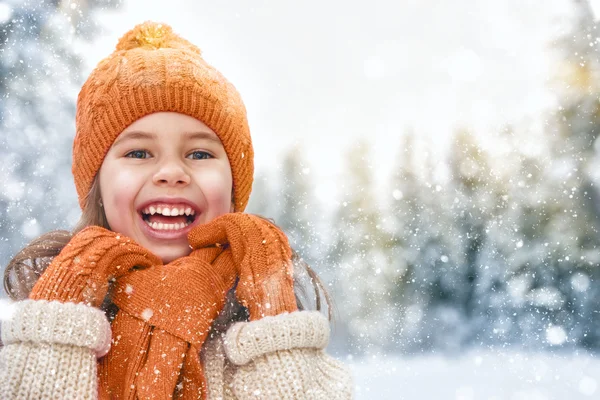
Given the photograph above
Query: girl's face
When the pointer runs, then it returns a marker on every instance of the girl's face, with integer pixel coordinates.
(165, 173)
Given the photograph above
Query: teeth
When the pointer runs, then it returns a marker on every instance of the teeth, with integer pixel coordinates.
(169, 212)
(167, 227)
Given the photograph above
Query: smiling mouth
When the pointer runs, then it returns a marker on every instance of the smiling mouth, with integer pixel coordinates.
(168, 217)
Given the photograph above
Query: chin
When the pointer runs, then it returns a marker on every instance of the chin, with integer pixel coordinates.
(168, 255)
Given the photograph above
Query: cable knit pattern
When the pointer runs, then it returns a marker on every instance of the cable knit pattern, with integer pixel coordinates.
(51, 349)
(277, 357)
(262, 255)
(40, 321)
(246, 341)
(282, 357)
(153, 69)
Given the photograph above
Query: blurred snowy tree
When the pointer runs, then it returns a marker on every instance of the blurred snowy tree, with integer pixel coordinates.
(499, 254)
(444, 233)
(468, 203)
(517, 230)
(573, 237)
(40, 71)
(301, 217)
(366, 279)
(403, 227)
(421, 252)
(296, 212)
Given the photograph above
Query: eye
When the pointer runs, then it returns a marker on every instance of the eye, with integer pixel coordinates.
(199, 155)
(138, 154)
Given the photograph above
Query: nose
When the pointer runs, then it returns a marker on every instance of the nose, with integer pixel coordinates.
(171, 172)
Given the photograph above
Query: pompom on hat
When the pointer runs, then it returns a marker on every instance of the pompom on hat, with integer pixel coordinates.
(153, 70)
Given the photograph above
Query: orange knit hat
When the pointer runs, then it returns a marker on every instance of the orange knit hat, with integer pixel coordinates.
(152, 70)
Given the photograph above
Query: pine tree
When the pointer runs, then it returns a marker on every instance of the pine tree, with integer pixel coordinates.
(416, 253)
(572, 207)
(452, 234)
(298, 211)
(40, 72)
(366, 277)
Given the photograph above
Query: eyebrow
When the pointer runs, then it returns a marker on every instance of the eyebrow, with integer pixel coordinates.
(134, 135)
(200, 135)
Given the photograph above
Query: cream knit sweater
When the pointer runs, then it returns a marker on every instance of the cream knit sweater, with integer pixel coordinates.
(50, 352)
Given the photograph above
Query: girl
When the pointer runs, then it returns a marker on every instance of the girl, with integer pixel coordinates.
(163, 167)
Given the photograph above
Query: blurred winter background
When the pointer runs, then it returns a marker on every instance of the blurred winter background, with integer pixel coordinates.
(436, 162)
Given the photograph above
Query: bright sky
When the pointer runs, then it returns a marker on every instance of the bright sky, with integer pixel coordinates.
(321, 74)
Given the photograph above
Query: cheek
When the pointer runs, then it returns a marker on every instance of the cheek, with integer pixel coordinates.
(118, 189)
(216, 188)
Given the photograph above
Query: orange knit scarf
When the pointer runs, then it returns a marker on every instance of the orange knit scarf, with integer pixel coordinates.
(166, 311)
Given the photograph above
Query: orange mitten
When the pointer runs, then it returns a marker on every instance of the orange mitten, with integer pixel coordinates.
(262, 256)
(82, 270)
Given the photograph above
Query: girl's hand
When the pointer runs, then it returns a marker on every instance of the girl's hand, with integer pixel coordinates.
(262, 256)
(84, 267)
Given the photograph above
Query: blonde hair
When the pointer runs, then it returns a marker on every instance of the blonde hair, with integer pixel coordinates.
(27, 266)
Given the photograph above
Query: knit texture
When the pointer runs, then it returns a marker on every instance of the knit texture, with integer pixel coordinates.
(278, 357)
(62, 323)
(40, 370)
(262, 255)
(153, 70)
(246, 342)
(50, 351)
(82, 270)
(165, 311)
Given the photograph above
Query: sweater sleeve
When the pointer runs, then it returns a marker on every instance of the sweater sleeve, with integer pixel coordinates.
(50, 350)
(283, 357)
